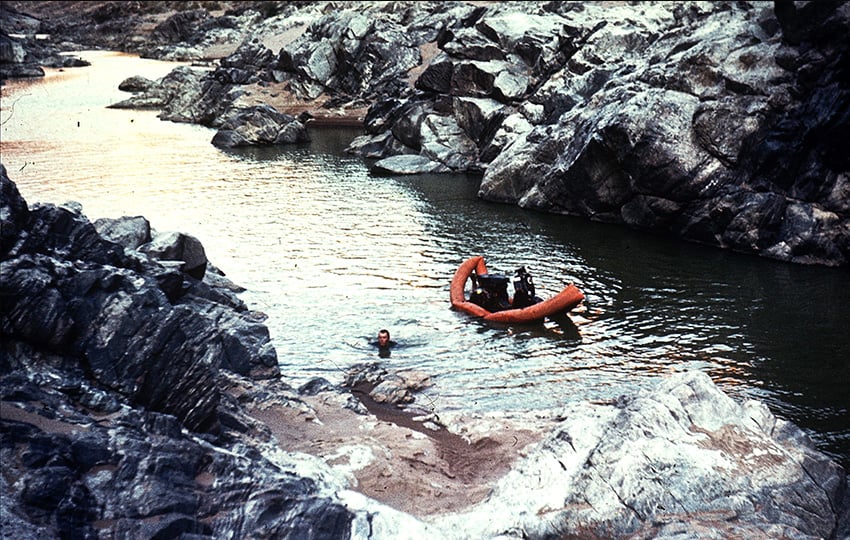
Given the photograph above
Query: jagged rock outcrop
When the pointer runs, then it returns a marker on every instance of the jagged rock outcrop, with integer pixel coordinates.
(386, 386)
(709, 133)
(24, 55)
(365, 52)
(210, 98)
(81, 462)
(679, 461)
(705, 121)
(491, 62)
(260, 126)
(671, 118)
(65, 288)
(178, 97)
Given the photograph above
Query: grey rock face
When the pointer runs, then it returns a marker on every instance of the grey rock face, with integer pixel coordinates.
(377, 146)
(24, 56)
(131, 321)
(680, 460)
(131, 472)
(260, 126)
(362, 52)
(699, 132)
(445, 142)
(386, 386)
(180, 247)
(408, 164)
(130, 232)
(715, 123)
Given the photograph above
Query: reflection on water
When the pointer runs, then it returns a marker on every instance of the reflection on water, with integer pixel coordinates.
(332, 254)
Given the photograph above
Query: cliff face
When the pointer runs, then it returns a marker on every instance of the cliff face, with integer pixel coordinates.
(714, 127)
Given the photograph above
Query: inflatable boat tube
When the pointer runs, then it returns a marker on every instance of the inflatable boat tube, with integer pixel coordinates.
(564, 301)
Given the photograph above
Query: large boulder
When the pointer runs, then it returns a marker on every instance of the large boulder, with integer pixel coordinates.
(498, 79)
(185, 94)
(182, 248)
(680, 460)
(132, 322)
(378, 146)
(261, 125)
(250, 62)
(445, 142)
(128, 231)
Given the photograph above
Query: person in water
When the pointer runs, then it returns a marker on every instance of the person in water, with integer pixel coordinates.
(384, 343)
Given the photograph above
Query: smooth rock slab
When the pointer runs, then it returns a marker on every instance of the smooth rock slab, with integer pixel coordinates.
(682, 455)
(409, 164)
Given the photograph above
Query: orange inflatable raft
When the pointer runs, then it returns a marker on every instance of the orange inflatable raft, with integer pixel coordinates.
(564, 301)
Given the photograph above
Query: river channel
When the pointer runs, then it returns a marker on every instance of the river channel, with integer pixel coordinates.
(332, 253)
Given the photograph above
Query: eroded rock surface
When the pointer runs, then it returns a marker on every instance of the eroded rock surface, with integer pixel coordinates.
(261, 125)
(682, 460)
(701, 122)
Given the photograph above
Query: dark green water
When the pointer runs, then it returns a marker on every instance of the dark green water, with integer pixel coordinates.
(332, 253)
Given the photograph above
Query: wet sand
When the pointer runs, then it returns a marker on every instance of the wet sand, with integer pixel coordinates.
(398, 459)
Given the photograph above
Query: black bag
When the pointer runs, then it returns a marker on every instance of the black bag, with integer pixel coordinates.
(490, 291)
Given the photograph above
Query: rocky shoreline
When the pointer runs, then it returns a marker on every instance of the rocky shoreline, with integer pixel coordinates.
(721, 123)
(142, 398)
